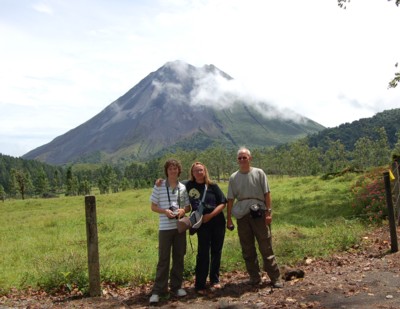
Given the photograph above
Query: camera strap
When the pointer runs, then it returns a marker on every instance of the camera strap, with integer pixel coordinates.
(200, 209)
(179, 194)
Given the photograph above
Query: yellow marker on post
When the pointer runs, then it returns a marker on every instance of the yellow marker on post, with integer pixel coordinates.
(391, 176)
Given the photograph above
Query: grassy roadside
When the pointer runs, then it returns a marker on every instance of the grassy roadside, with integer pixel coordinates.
(43, 241)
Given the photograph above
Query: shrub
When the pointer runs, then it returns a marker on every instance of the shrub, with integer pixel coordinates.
(369, 199)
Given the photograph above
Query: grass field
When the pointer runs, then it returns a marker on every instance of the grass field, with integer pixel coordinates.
(43, 241)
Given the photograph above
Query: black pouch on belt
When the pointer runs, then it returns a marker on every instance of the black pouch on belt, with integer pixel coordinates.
(256, 211)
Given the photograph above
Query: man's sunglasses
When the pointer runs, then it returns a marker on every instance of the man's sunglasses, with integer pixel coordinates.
(242, 158)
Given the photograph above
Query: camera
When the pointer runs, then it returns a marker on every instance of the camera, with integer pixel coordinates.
(175, 211)
(255, 211)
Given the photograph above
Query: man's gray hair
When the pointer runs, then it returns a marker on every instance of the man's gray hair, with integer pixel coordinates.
(244, 149)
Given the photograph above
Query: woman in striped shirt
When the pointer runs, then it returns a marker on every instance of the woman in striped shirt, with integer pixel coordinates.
(171, 202)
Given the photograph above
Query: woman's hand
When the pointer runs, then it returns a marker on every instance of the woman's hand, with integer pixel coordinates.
(158, 182)
(181, 212)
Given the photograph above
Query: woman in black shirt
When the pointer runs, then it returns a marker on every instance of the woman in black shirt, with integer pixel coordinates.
(211, 233)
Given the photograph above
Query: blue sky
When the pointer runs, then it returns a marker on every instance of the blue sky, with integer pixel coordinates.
(63, 61)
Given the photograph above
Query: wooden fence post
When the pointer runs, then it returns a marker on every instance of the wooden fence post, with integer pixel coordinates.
(92, 246)
(396, 187)
(389, 203)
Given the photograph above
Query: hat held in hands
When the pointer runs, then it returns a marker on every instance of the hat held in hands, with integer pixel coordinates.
(193, 221)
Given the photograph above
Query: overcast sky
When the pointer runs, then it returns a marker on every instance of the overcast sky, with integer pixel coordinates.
(64, 61)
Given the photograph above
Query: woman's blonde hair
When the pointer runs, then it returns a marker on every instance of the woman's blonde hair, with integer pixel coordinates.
(207, 179)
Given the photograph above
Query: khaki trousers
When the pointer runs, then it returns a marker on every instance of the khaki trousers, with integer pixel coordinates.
(170, 241)
(250, 229)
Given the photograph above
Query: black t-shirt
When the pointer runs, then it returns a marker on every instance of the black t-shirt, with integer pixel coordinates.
(214, 196)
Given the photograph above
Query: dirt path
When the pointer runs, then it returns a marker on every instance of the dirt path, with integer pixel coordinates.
(364, 277)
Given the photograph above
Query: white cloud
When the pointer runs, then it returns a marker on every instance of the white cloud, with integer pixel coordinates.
(42, 8)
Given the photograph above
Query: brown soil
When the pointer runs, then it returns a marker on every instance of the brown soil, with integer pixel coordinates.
(363, 277)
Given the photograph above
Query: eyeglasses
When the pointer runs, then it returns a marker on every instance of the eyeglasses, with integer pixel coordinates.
(242, 158)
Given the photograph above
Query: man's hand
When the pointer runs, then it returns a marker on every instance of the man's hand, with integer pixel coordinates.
(229, 224)
(268, 218)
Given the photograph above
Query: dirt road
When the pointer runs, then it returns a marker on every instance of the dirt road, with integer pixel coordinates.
(364, 277)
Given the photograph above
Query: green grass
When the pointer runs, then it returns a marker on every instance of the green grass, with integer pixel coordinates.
(43, 241)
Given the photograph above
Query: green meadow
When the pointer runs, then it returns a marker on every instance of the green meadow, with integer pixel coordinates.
(43, 241)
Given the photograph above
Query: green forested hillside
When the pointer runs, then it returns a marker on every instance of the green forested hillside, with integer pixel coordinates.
(360, 145)
(33, 173)
(349, 133)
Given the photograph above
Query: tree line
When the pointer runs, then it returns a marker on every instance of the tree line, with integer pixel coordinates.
(21, 178)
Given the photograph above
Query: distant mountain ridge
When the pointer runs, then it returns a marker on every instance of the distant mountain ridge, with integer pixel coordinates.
(349, 133)
(178, 104)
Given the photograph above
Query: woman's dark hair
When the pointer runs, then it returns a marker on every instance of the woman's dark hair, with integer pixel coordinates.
(172, 162)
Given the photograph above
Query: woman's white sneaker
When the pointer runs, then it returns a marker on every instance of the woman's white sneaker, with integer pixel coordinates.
(181, 293)
(154, 299)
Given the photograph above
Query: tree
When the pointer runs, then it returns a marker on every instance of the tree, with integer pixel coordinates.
(335, 157)
(396, 148)
(125, 184)
(2, 193)
(216, 159)
(362, 153)
(301, 160)
(257, 158)
(275, 161)
(72, 183)
(84, 187)
(21, 181)
(108, 179)
(41, 183)
(369, 153)
(103, 186)
(342, 3)
(396, 79)
(151, 170)
(56, 181)
(136, 184)
(134, 171)
(381, 151)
